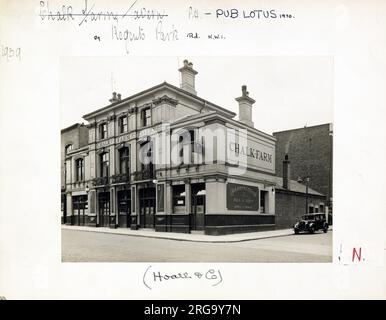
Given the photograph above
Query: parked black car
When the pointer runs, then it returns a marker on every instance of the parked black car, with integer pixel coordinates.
(311, 223)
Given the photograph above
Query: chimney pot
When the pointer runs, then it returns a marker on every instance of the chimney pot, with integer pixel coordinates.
(114, 98)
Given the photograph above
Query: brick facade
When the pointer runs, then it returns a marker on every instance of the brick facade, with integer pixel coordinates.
(290, 206)
(310, 152)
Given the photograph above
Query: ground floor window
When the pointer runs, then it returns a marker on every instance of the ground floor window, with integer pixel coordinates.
(263, 201)
(124, 201)
(179, 198)
(63, 201)
(79, 202)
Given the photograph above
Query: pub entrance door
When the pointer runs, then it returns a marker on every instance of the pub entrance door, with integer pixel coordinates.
(147, 207)
(104, 208)
(79, 206)
(124, 208)
(198, 206)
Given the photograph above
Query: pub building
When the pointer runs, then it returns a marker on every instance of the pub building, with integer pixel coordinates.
(168, 160)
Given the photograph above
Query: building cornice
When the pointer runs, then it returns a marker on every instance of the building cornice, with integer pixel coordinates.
(150, 91)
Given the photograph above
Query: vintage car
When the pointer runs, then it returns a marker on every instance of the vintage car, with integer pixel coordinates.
(311, 223)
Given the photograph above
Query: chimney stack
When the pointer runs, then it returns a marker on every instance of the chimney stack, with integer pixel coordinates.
(115, 97)
(188, 77)
(245, 107)
(286, 172)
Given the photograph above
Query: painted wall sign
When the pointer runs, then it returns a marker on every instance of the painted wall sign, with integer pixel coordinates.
(255, 154)
(123, 138)
(105, 143)
(242, 197)
(146, 132)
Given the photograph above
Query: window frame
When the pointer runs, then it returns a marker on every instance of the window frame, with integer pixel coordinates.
(79, 177)
(146, 120)
(123, 127)
(262, 202)
(68, 147)
(124, 160)
(104, 164)
(177, 196)
(103, 133)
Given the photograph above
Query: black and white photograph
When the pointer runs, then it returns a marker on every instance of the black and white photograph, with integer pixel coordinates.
(204, 151)
(163, 174)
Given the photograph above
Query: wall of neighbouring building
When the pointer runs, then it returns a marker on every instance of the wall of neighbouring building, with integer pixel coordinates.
(310, 152)
(77, 135)
(290, 206)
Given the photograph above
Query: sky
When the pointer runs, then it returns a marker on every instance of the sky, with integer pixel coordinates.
(290, 91)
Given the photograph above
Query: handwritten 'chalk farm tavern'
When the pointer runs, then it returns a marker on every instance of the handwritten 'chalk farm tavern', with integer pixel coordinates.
(157, 160)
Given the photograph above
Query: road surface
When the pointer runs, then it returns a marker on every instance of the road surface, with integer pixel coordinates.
(83, 246)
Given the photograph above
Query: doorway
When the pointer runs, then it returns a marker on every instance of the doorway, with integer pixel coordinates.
(79, 207)
(147, 207)
(104, 208)
(124, 208)
(198, 206)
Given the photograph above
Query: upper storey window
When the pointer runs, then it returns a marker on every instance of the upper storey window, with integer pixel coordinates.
(122, 123)
(104, 164)
(68, 148)
(103, 131)
(79, 166)
(146, 117)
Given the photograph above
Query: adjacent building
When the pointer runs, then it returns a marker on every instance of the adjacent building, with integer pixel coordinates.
(74, 141)
(310, 150)
(168, 160)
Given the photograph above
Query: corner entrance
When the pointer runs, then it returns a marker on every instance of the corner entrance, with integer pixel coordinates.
(198, 206)
(104, 208)
(147, 207)
(124, 208)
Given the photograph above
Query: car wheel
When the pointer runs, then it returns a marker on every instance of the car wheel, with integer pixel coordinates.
(312, 230)
(325, 230)
(296, 231)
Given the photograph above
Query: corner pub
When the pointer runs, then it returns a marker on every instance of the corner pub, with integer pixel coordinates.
(168, 160)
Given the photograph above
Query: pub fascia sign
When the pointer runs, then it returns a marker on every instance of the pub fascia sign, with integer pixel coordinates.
(123, 138)
(105, 143)
(250, 152)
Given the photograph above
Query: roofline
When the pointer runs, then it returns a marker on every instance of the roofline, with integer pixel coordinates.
(203, 116)
(164, 84)
(319, 195)
(73, 126)
(317, 125)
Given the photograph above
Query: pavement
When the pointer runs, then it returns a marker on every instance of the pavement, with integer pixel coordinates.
(192, 237)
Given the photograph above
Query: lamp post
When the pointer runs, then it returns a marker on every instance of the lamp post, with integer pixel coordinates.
(307, 182)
